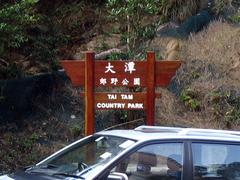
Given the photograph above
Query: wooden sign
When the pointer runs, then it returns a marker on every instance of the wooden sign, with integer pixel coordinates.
(129, 101)
(165, 70)
(92, 73)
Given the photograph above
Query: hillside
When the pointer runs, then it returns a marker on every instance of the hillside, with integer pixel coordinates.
(40, 111)
(205, 92)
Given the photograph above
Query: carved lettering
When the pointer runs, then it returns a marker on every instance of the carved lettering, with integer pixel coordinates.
(112, 96)
(135, 105)
(127, 96)
(110, 105)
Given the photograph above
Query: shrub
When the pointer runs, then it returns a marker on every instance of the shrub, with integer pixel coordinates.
(226, 107)
(131, 13)
(14, 20)
(189, 97)
(139, 20)
(235, 18)
(43, 45)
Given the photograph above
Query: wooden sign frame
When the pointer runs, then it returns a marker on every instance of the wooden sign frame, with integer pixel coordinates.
(89, 73)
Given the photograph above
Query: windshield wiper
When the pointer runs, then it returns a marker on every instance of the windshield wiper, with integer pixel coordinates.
(85, 171)
(36, 168)
(67, 175)
(28, 167)
(47, 166)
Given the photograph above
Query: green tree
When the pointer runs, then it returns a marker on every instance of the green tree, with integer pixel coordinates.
(131, 13)
(14, 20)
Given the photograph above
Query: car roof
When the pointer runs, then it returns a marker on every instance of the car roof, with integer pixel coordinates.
(145, 133)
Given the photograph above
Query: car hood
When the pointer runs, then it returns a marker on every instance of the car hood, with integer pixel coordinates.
(5, 177)
(27, 176)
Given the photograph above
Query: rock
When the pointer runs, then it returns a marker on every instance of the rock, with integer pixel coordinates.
(163, 28)
(195, 23)
(104, 54)
(98, 44)
(103, 42)
(192, 25)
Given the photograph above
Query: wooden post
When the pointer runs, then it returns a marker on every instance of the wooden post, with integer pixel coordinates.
(150, 88)
(89, 94)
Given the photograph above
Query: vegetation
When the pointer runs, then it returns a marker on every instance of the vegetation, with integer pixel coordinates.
(14, 20)
(141, 19)
(38, 36)
(189, 97)
(25, 31)
(133, 13)
(235, 18)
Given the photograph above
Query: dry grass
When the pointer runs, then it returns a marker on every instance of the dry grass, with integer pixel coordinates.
(181, 9)
(211, 70)
(219, 44)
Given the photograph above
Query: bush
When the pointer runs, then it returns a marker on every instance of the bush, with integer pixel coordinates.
(189, 97)
(14, 20)
(235, 18)
(45, 39)
(140, 20)
(131, 13)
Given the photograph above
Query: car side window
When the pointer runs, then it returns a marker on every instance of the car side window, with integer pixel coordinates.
(216, 161)
(154, 162)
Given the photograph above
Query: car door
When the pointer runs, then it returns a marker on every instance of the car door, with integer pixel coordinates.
(153, 161)
(215, 160)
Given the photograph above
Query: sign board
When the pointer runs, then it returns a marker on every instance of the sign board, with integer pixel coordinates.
(120, 101)
(92, 73)
(164, 71)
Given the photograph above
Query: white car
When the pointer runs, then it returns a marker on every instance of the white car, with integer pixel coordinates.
(144, 153)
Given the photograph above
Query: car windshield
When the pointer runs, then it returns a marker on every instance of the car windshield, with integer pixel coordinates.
(84, 157)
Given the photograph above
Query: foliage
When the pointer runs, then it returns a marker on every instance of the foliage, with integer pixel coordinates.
(232, 116)
(12, 70)
(133, 12)
(18, 145)
(14, 20)
(189, 97)
(195, 75)
(179, 10)
(220, 5)
(76, 17)
(229, 9)
(76, 130)
(118, 56)
(226, 106)
(32, 34)
(44, 43)
(38, 139)
(235, 18)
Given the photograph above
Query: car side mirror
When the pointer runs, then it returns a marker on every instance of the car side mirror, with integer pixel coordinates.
(117, 176)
